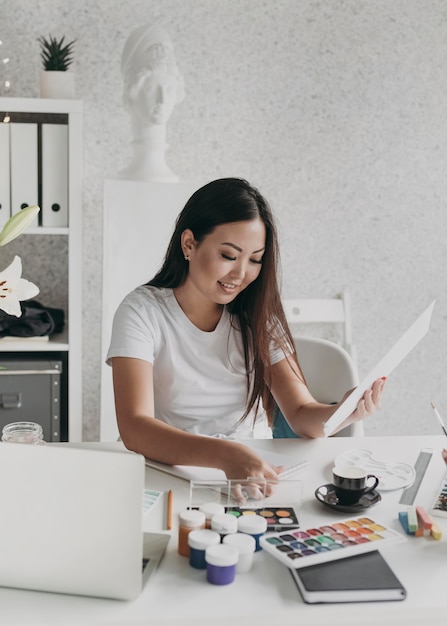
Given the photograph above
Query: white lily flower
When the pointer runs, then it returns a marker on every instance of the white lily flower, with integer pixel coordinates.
(14, 288)
(17, 224)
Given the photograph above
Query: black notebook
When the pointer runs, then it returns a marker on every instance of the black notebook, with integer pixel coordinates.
(364, 577)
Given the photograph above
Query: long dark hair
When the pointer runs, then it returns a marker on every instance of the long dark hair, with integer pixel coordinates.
(257, 310)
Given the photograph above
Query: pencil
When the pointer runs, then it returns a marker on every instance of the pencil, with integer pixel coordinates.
(440, 420)
(169, 522)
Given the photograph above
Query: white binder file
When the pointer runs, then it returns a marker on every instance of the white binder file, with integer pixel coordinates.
(54, 175)
(5, 201)
(24, 167)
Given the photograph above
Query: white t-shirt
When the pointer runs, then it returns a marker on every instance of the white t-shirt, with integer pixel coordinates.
(199, 377)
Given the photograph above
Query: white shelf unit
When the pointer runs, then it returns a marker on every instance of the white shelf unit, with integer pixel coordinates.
(70, 340)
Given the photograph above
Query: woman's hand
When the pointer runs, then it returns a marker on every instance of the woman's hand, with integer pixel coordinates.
(370, 402)
(242, 462)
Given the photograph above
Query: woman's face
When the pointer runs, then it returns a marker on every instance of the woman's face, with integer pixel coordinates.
(226, 261)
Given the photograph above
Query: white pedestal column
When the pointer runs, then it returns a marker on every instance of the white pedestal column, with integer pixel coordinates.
(139, 219)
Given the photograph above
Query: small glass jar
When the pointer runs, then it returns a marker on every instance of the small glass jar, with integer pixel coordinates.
(23, 432)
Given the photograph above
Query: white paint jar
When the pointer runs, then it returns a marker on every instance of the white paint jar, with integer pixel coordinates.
(254, 525)
(246, 546)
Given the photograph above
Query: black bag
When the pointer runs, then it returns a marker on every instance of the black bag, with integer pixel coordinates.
(37, 320)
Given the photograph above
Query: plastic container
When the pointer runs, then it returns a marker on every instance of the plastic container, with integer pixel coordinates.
(221, 561)
(23, 432)
(210, 509)
(224, 524)
(246, 546)
(188, 521)
(254, 525)
(198, 541)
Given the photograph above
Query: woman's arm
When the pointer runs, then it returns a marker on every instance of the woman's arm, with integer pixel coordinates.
(142, 433)
(304, 414)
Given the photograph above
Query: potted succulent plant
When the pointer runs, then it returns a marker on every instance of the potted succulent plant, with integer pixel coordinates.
(55, 79)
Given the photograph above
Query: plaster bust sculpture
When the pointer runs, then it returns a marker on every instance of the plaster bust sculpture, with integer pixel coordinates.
(153, 87)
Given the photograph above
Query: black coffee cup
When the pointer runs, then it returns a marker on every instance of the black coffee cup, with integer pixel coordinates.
(351, 483)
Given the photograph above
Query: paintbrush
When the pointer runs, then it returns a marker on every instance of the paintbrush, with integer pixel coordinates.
(439, 418)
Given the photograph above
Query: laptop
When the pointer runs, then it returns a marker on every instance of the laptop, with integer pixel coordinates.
(72, 520)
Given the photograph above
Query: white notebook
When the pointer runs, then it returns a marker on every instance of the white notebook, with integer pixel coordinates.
(192, 472)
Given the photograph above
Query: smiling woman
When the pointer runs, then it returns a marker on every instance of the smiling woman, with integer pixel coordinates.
(204, 347)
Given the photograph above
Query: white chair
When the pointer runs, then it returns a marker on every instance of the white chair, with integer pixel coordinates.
(330, 372)
(330, 311)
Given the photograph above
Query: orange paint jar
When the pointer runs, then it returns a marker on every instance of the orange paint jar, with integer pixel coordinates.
(188, 521)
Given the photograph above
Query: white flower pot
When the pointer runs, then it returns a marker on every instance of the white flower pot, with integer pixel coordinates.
(57, 84)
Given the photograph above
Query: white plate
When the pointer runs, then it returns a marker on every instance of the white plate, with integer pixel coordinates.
(392, 474)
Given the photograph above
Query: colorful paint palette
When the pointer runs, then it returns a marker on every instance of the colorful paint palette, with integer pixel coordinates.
(299, 548)
(277, 518)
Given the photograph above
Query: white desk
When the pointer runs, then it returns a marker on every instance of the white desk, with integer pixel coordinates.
(179, 595)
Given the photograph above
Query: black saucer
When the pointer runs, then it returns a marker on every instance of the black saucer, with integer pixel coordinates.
(326, 495)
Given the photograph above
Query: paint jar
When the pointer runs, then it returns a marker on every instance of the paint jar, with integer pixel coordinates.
(221, 561)
(188, 521)
(210, 509)
(254, 525)
(198, 541)
(23, 432)
(246, 546)
(224, 524)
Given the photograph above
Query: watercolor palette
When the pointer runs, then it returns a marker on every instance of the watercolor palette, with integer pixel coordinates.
(277, 518)
(299, 548)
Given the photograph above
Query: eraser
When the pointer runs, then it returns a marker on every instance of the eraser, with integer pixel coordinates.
(435, 531)
(412, 519)
(403, 519)
(424, 517)
(420, 531)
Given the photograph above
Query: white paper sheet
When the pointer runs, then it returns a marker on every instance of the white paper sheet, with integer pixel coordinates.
(191, 472)
(397, 353)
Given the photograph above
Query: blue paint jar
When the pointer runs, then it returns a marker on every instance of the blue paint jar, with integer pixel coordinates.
(198, 541)
(221, 561)
(254, 525)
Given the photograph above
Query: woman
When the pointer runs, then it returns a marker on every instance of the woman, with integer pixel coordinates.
(204, 347)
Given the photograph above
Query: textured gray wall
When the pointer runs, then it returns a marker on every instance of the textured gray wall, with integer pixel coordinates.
(336, 110)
